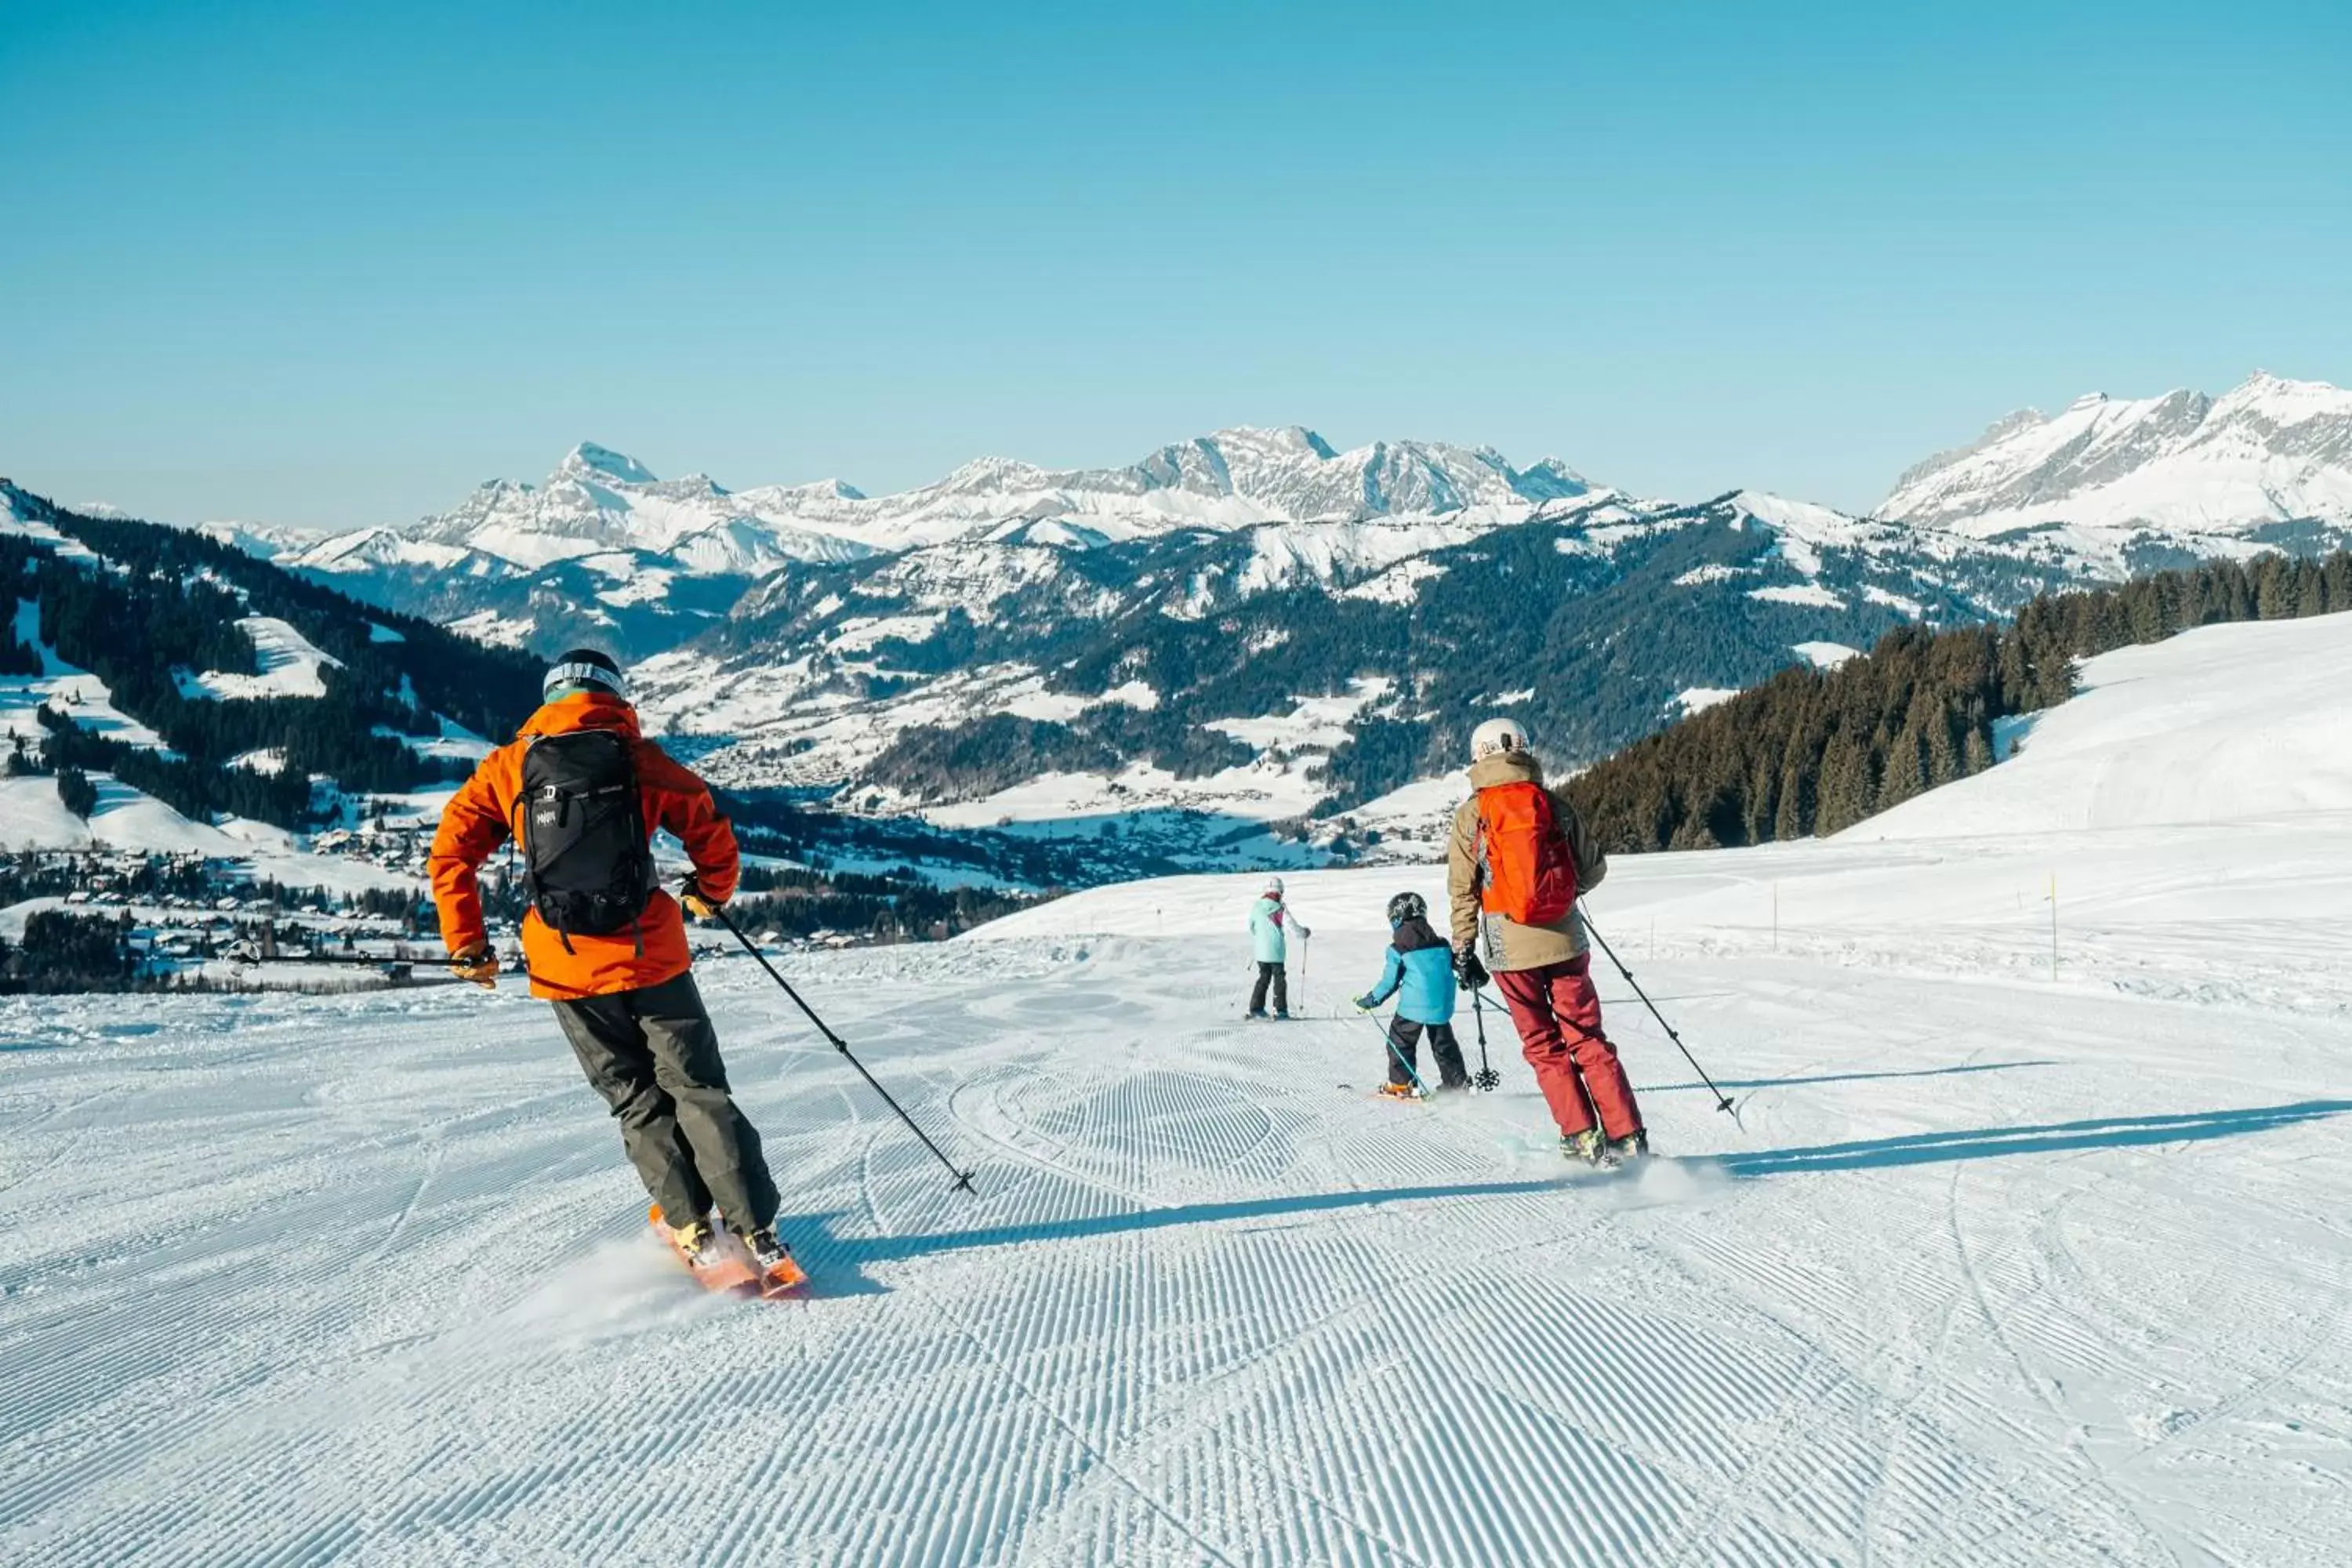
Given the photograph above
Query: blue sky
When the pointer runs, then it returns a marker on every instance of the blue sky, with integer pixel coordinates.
(306, 264)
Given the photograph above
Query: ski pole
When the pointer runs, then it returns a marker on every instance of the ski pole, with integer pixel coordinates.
(963, 1178)
(1488, 1079)
(1419, 1088)
(1722, 1100)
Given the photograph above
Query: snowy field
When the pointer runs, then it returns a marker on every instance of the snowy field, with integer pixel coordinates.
(1999, 1268)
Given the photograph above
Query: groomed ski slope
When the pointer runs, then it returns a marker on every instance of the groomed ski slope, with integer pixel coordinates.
(1999, 1269)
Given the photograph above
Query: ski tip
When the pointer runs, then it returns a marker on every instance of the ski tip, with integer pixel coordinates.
(787, 1279)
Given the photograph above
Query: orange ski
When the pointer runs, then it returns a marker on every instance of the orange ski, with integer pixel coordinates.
(732, 1271)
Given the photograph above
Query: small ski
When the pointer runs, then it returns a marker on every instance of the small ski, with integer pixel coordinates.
(732, 1271)
(1410, 1096)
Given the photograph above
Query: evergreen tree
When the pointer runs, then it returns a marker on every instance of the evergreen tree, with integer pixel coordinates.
(1847, 789)
(76, 793)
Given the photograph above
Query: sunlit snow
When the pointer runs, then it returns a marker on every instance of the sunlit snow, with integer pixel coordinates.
(1995, 1264)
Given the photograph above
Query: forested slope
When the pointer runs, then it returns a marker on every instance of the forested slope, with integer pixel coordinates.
(152, 610)
(1812, 752)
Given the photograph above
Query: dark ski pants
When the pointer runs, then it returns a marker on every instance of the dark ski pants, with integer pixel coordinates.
(654, 1055)
(1272, 974)
(1559, 1016)
(1404, 1034)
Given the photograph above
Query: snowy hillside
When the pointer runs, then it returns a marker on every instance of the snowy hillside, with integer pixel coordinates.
(2223, 725)
(2180, 468)
(1994, 1269)
(219, 707)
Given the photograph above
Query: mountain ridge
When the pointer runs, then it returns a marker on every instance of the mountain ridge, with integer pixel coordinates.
(2269, 451)
(1255, 625)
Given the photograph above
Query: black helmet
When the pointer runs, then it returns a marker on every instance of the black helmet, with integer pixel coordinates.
(1406, 907)
(584, 669)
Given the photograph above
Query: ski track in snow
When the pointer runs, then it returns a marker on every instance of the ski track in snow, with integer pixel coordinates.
(366, 1279)
(1995, 1269)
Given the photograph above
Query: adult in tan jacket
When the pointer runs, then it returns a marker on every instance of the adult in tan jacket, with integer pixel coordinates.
(1544, 972)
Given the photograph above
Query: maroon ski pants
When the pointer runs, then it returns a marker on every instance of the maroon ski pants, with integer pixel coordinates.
(1559, 1016)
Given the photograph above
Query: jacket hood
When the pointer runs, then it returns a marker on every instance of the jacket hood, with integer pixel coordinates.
(1506, 767)
(581, 710)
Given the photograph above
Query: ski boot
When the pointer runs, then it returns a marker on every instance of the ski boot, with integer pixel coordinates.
(1399, 1091)
(1587, 1146)
(1255, 1015)
(696, 1242)
(779, 1275)
(1634, 1145)
(765, 1249)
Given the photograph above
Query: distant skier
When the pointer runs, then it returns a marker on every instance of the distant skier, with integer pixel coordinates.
(1519, 859)
(1271, 925)
(607, 945)
(1420, 973)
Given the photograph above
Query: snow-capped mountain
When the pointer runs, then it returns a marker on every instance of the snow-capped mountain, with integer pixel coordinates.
(2267, 455)
(600, 499)
(603, 549)
(1231, 478)
(1256, 673)
(597, 500)
(1253, 623)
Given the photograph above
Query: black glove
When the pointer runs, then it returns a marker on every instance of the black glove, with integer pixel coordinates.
(1468, 970)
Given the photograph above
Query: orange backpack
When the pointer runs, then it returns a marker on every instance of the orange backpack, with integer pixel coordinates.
(1530, 876)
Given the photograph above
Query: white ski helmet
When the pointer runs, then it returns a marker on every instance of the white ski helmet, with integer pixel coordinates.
(1497, 735)
(1274, 887)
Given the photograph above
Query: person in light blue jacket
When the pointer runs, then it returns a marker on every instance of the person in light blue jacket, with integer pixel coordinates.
(1420, 974)
(1271, 925)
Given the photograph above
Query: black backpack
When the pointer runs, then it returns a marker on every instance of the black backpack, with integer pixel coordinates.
(586, 852)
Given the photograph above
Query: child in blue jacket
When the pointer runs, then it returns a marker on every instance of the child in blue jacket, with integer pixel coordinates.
(1420, 974)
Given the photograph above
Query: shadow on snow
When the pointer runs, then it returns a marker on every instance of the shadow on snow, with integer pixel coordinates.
(833, 1255)
(2054, 1138)
(1731, 1083)
(839, 1262)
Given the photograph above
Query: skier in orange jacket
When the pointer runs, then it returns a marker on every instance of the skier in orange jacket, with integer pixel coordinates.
(583, 791)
